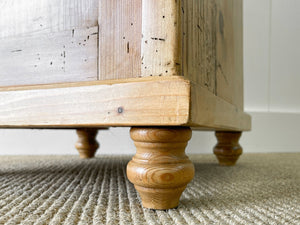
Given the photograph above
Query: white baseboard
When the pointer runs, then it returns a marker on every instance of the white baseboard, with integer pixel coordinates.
(271, 132)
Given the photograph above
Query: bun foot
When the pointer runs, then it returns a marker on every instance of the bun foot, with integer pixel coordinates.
(228, 149)
(160, 170)
(87, 144)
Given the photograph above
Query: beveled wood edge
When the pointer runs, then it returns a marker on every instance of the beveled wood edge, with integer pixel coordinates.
(196, 106)
(92, 83)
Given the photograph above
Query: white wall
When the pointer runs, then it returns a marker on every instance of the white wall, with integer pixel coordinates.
(272, 77)
(272, 93)
(272, 55)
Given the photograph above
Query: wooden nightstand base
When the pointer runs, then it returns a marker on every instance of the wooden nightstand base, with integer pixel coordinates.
(160, 170)
(228, 149)
(87, 144)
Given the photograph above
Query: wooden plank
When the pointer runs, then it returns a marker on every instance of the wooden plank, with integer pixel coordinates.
(154, 102)
(19, 17)
(199, 42)
(120, 39)
(65, 56)
(161, 42)
(213, 47)
(139, 38)
(229, 58)
(213, 112)
(150, 101)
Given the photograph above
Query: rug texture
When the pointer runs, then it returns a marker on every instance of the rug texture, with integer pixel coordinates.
(260, 189)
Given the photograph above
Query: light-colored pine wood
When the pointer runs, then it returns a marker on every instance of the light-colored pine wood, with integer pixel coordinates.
(211, 111)
(201, 40)
(160, 170)
(22, 18)
(228, 149)
(161, 42)
(149, 102)
(120, 32)
(153, 101)
(182, 66)
(198, 39)
(65, 56)
(229, 53)
(87, 144)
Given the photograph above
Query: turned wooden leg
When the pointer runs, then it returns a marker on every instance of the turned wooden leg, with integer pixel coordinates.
(87, 143)
(228, 148)
(160, 170)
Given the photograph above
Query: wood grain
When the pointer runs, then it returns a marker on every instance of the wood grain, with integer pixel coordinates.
(65, 56)
(87, 144)
(213, 47)
(152, 101)
(22, 18)
(160, 170)
(144, 102)
(229, 57)
(120, 32)
(228, 149)
(201, 40)
(213, 112)
(161, 42)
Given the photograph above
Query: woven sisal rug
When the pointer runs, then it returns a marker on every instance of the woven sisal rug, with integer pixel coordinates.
(261, 189)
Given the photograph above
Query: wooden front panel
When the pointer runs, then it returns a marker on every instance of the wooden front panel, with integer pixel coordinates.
(48, 41)
(65, 56)
(134, 102)
(29, 17)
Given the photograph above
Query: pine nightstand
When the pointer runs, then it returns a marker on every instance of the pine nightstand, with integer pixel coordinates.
(162, 67)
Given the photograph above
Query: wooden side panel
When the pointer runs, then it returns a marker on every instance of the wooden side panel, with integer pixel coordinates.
(21, 17)
(213, 112)
(120, 36)
(199, 42)
(213, 46)
(65, 56)
(230, 51)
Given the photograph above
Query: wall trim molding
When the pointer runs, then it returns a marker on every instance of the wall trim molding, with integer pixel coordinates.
(273, 132)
